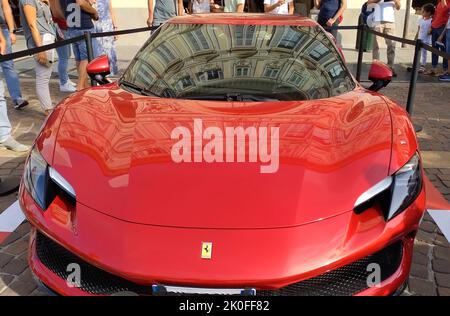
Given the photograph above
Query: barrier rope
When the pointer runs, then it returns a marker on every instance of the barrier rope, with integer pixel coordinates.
(429, 48)
(33, 51)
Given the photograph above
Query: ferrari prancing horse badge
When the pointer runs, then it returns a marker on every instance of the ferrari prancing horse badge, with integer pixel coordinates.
(206, 250)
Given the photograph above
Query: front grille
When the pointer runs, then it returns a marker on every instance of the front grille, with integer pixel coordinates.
(93, 280)
(345, 281)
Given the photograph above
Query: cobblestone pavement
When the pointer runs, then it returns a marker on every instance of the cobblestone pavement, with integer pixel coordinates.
(430, 274)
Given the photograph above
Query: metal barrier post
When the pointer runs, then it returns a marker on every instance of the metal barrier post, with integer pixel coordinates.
(89, 45)
(362, 29)
(414, 76)
(90, 50)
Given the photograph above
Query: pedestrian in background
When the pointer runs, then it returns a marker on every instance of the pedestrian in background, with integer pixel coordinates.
(200, 6)
(256, 6)
(385, 23)
(159, 11)
(107, 23)
(285, 7)
(446, 35)
(234, 6)
(438, 27)
(6, 140)
(330, 13)
(424, 32)
(12, 78)
(36, 19)
(64, 52)
(87, 15)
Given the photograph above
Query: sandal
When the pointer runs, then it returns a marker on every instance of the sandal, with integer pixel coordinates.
(430, 73)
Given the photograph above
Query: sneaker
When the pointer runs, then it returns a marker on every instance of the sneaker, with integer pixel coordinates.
(48, 112)
(20, 105)
(67, 88)
(12, 144)
(445, 78)
(72, 83)
(394, 73)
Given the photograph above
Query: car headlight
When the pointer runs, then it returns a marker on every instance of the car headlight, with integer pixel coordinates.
(35, 178)
(395, 193)
(44, 183)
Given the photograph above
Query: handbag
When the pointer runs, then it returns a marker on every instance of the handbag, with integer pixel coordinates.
(58, 32)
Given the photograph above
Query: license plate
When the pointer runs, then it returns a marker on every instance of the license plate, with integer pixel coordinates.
(167, 290)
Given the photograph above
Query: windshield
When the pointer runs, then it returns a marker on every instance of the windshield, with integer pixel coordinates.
(239, 63)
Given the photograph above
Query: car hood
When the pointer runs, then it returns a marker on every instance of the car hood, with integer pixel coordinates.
(114, 148)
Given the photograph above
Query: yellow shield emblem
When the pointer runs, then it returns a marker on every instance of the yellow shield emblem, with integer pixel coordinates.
(207, 250)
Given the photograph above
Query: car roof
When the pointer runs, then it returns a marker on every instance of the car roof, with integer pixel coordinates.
(244, 18)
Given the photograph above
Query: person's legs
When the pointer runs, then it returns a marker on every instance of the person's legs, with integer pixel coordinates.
(11, 76)
(445, 49)
(65, 85)
(82, 72)
(446, 76)
(434, 58)
(424, 56)
(447, 44)
(43, 75)
(6, 139)
(376, 47)
(107, 46)
(389, 29)
(83, 58)
(63, 63)
(113, 60)
(5, 125)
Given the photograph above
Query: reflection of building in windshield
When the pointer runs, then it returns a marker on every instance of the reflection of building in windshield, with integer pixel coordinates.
(288, 62)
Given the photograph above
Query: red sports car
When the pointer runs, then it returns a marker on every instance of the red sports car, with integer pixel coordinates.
(236, 155)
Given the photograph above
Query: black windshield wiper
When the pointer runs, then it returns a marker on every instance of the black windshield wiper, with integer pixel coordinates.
(137, 88)
(232, 97)
(212, 97)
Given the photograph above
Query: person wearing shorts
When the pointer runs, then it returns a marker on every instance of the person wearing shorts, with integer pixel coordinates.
(77, 26)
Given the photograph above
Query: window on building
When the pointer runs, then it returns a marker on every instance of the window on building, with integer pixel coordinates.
(290, 39)
(198, 40)
(241, 71)
(296, 79)
(319, 51)
(271, 72)
(244, 35)
(335, 71)
(165, 53)
(213, 74)
(185, 83)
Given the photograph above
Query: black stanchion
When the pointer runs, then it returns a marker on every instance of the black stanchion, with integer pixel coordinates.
(413, 82)
(90, 50)
(89, 45)
(362, 30)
